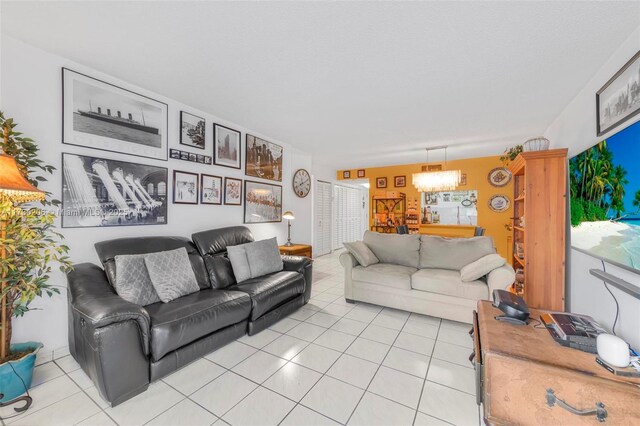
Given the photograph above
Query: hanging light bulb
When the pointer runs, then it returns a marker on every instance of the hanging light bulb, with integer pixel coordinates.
(445, 180)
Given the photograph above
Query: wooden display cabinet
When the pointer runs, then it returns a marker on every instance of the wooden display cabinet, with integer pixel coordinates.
(388, 213)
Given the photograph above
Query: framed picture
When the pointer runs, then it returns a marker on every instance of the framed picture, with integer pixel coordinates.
(400, 181)
(262, 202)
(101, 192)
(381, 182)
(210, 189)
(185, 187)
(346, 174)
(263, 159)
(192, 130)
(226, 147)
(616, 101)
(174, 153)
(360, 173)
(463, 180)
(193, 157)
(232, 191)
(200, 159)
(99, 115)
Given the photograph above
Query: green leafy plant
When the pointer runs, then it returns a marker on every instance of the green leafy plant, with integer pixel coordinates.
(31, 245)
(510, 154)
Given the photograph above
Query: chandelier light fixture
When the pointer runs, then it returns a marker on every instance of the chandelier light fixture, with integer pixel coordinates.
(444, 180)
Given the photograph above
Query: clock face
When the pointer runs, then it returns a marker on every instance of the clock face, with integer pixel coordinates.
(301, 183)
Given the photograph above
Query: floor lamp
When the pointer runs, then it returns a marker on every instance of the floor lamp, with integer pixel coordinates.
(16, 189)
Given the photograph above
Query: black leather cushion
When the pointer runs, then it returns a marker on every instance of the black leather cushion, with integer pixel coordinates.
(191, 317)
(108, 250)
(270, 291)
(213, 244)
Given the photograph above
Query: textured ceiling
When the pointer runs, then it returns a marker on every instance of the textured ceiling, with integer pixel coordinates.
(354, 84)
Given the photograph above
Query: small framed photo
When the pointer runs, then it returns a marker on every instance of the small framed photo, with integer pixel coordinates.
(191, 130)
(463, 180)
(210, 189)
(381, 182)
(200, 158)
(207, 159)
(232, 191)
(400, 181)
(193, 157)
(185, 187)
(346, 174)
(226, 147)
(175, 154)
(361, 173)
(184, 155)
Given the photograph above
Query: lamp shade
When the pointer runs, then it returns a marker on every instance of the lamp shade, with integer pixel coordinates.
(288, 215)
(13, 186)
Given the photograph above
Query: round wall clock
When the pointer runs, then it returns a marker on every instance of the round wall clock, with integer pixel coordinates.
(499, 177)
(499, 203)
(301, 183)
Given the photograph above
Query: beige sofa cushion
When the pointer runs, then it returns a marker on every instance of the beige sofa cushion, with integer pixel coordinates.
(481, 267)
(395, 248)
(447, 282)
(386, 274)
(452, 253)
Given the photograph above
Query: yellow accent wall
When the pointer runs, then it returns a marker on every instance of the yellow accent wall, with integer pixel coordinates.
(477, 171)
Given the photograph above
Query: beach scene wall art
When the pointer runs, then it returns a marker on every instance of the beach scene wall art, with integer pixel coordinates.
(605, 199)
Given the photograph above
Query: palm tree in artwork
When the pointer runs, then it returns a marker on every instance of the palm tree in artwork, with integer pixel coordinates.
(636, 201)
(617, 181)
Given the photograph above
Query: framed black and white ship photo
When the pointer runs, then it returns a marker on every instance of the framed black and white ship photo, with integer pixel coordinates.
(192, 130)
(226, 147)
(262, 202)
(101, 192)
(100, 115)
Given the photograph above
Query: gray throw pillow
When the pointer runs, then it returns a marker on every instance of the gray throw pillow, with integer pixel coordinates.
(239, 262)
(362, 253)
(132, 281)
(171, 274)
(481, 267)
(264, 257)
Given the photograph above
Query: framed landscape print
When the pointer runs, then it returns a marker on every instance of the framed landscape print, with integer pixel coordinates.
(192, 130)
(185, 187)
(381, 182)
(101, 192)
(99, 115)
(210, 189)
(226, 147)
(617, 101)
(232, 191)
(262, 202)
(263, 159)
(400, 181)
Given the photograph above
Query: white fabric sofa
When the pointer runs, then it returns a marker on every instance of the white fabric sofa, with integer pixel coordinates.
(421, 273)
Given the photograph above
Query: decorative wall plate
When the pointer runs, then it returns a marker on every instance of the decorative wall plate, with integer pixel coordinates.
(499, 177)
(499, 203)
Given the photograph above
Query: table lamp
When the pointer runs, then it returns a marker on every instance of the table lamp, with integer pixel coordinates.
(289, 216)
(15, 189)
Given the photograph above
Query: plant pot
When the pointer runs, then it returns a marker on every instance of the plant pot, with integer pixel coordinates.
(16, 375)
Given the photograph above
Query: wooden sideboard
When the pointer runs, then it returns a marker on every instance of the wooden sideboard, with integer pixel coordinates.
(516, 366)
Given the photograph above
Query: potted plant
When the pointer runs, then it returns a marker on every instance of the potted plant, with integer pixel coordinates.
(30, 248)
(510, 154)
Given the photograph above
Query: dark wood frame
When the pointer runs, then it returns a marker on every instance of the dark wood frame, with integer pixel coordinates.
(599, 130)
(202, 175)
(215, 145)
(173, 187)
(246, 156)
(205, 130)
(395, 181)
(360, 173)
(244, 216)
(166, 216)
(166, 153)
(378, 182)
(346, 174)
(226, 203)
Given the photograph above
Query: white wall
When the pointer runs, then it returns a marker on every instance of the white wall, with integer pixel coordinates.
(575, 128)
(32, 94)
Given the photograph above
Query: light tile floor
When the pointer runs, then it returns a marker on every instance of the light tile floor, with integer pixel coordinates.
(328, 363)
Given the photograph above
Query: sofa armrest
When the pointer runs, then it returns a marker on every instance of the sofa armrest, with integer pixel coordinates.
(93, 299)
(348, 262)
(303, 265)
(500, 278)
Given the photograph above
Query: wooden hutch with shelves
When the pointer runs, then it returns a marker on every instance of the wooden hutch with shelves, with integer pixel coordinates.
(388, 212)
(539, 226)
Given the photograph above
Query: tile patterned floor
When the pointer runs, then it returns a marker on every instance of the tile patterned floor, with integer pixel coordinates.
(328, 363)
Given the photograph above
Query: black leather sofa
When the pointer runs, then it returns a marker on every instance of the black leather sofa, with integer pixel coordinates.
(123, 347)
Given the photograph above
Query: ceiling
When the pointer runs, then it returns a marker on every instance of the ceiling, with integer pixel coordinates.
(354, 84)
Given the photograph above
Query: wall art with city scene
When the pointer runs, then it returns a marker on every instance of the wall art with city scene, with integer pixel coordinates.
(99, 115)
(619, 98)
(262, 202)
(192, 130)
(101, 192)
(263, 159)
(226, 147)
(210, 189)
